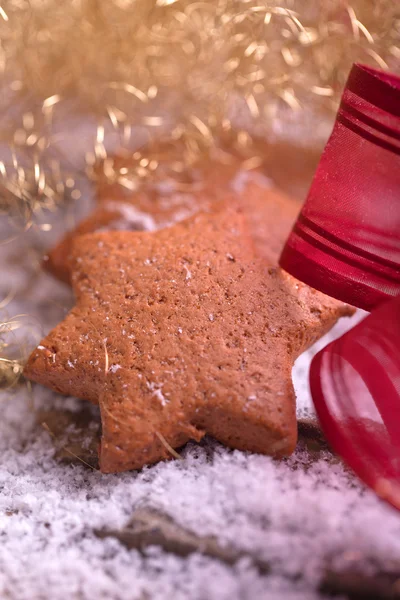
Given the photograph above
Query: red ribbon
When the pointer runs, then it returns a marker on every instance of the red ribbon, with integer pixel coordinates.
(355, 385)
(346, 243)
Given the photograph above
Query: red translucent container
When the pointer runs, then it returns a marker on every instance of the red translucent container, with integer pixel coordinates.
(355, 384)
(346, 241)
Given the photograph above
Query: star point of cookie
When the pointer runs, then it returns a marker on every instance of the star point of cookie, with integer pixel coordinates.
(177, 333)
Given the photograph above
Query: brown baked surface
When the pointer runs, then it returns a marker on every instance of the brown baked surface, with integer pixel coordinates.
(179, 332)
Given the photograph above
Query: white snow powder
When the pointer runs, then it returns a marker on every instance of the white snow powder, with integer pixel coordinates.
(156, 389)
(240, 181)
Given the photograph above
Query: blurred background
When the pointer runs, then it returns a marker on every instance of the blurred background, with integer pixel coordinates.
(85, 78)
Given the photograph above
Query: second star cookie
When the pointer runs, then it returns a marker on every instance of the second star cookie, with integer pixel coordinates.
(160, 203)
(177, 333)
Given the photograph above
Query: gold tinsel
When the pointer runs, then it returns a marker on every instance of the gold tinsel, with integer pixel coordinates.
(181, 67)
(13, 351)
(204, 51)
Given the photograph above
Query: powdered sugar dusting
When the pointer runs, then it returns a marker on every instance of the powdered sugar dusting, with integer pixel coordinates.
(188, 273)
(156, 389)
(240, 181)
(131, 215)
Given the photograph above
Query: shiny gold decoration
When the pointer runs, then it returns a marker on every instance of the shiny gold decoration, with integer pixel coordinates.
(186, 68)
(169, 158)
(18, 336)
(11, 354)
(28, 191)
(32, 180)
(206, 51)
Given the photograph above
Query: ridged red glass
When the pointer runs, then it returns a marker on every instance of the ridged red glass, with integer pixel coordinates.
(346, 241)
(355, 384)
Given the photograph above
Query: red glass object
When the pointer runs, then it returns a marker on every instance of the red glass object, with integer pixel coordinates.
(346, 241)
(355, 385)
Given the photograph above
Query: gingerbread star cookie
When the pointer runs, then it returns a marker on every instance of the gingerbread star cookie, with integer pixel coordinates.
(180, 332)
